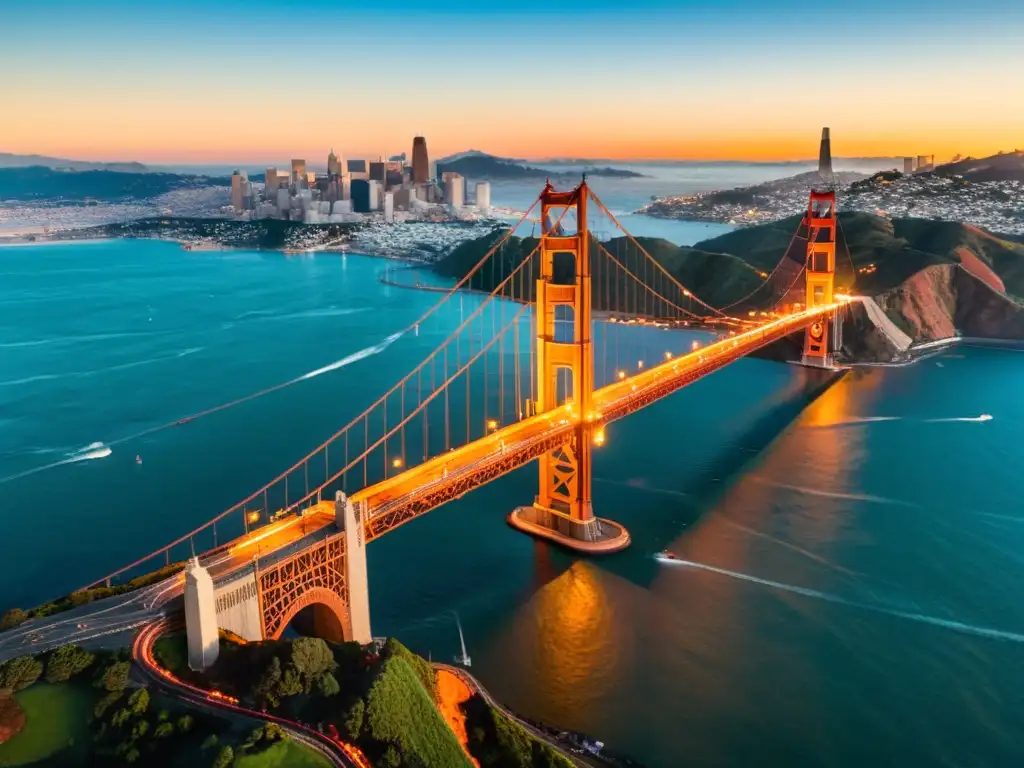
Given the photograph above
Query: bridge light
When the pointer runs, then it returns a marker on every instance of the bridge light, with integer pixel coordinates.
(686, 292)
(492, 424)
(599, 437)
(668, 355)
(639, 363)
(253, 516)
(695, 345)
(396, 463)
(752, 313)
(621, 375)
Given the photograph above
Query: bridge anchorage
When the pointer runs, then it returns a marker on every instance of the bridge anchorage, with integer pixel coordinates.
(563, 510)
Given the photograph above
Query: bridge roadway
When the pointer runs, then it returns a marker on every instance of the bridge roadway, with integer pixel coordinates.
(399, 499)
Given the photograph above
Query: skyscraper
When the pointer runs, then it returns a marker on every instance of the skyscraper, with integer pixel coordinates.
(239, 182)
(483, 195)
(420, 161)
(298, 171)
(825, 155)
(333, 164)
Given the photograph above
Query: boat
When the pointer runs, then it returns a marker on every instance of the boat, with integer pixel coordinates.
(462, 659)
(666, 556)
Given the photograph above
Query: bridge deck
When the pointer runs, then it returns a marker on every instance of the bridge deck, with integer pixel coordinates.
(419, 489)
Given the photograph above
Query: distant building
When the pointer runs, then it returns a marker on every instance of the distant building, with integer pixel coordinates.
(483, 195)
(403, 198)
(454, 188)
(376, 192)
(334, 164)
(360, 195)
(420, 161)
(239, 189)
(925, 163)
(908, 165)
(378, 171)
(298, 170)
(389, 207)
(825, 154)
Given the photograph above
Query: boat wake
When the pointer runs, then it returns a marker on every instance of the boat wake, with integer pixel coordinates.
(971, 419)
(88, 453)
(935, 621)
(834, 494)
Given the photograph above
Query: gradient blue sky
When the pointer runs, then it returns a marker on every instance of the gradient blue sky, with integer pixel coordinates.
(233, 81)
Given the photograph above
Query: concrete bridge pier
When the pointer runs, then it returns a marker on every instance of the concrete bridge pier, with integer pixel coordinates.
(351, 518)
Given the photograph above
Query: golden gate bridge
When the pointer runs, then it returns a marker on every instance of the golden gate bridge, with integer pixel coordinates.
(515, 382)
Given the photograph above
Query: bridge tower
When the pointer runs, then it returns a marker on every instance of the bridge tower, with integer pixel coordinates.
(821, 272)
(563, 511)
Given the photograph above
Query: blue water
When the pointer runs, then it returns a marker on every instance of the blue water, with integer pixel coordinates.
(853, 552)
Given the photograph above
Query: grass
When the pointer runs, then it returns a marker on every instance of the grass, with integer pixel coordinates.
(56, 716)
(283, 754)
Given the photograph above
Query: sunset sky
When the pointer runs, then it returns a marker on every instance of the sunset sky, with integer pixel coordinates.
(251, 81)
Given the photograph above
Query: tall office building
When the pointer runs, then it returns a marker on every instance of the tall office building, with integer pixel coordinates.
(420, 161)
(454, 188)
(333, 164)
(239, 184)
(483, 195)
(389, 207)
(825, 155)
(360, 195)
(908, 165)
(375, 194)
(378, 171)
(298, 171)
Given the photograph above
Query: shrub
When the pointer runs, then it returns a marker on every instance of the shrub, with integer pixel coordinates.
(18, 674)
(66, 662)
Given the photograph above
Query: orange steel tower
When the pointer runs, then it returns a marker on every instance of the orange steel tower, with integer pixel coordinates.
(563, 511)
(821, 270)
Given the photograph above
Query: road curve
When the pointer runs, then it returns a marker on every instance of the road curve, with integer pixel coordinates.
(476, 687)
(337, 753)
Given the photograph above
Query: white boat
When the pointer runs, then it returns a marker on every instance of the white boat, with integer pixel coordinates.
(462, 659)
(666, 557)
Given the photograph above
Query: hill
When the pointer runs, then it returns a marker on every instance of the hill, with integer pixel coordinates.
(931, 278)
(40, 183)
(8, 160)
(1007, 166)
(478, 165)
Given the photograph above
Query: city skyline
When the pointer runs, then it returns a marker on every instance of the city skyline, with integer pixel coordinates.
(233, 82)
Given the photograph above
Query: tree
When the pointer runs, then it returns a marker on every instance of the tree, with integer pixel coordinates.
(185, 724)
(138, 702)
(353, 724)
(327, 685)
(209, 742)
(115, 677)
(224, 758)
(266, 690)
(163, 730)
(121, 717)
(106, 703)
(291, 683)
(66, 662)
(311, 657)
(12, 618)
(163, 716)
(18, 674)
(132, 755)
(391, 758)
(273, 732)
(140, 729)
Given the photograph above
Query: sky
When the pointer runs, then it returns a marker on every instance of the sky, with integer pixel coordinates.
(253, 81)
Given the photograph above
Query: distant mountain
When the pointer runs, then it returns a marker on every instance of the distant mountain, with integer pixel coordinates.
(8, 160)
(481, 166)
(40, 184)
(1008, 166)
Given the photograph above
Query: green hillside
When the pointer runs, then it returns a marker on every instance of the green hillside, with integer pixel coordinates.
(873, 254)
